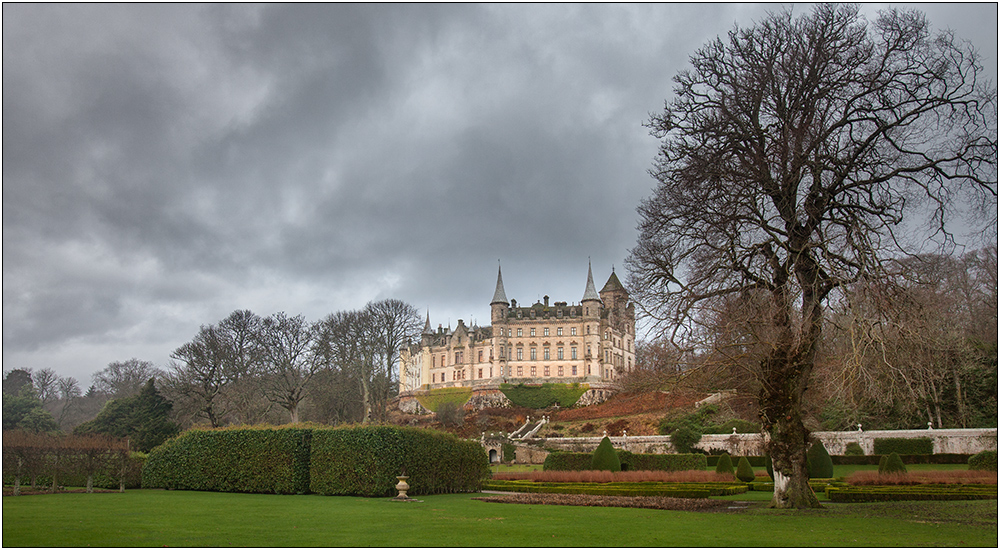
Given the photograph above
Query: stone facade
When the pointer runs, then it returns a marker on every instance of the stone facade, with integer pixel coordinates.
(590, 342)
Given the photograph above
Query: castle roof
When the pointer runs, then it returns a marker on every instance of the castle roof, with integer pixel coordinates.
(613, 283)
(591, 292)
(499, 296)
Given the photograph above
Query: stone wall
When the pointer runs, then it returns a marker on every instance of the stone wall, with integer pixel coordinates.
(958, 441)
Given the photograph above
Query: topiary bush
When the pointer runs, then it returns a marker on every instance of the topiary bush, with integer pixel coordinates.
(725, 465)
(986, 460)
(744, 472)
(854, 449)
(684, 438)
(903, 446)
(605, 457)
(769, 466)
(819, 462)
(893, 465)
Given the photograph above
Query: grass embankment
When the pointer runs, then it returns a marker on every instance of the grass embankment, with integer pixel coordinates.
(187, 518)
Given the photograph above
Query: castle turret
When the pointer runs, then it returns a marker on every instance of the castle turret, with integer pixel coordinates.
(499, 303)
(591, 299)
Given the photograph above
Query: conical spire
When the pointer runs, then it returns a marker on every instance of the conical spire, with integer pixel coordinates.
(427, 325)
(591, 292)
(499, 296)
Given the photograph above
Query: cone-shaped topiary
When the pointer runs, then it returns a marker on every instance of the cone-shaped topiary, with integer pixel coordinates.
(744, 472)
(820, 463)
(986, 460)
(605, 457)
(769, 466)
(725, 465)
(854, 449)
(881, 463)
(893, 465)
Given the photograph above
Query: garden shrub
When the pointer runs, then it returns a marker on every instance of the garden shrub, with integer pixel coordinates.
(742, 426)
(561, 460)
(903, 446)
(854, 449)
(893, 465)
(744, 472)
(567, 461)
(508, 451)
(769, 466)
(545, 395)
(232, 460)
(986, 460)
(939, 458)
(820, 464)
(684, 438)
(605, 457)
(881, 462)
(450, 413)
(725, 465)
(365, 461)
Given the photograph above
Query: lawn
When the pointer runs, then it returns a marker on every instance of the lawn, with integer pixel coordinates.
(187, 518)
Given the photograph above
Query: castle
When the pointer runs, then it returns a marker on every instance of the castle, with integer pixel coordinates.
(591, 343)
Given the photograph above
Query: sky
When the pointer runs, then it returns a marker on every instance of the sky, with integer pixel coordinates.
(167, 164)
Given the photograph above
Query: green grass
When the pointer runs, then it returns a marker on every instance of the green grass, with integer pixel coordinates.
(187, 518)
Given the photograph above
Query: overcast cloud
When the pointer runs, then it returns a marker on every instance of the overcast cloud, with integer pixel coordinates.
(164, 165)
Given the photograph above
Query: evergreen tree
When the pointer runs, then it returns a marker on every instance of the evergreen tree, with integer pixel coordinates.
(725, 465)
(144, 418)
(820, 463)
(25, 412)
(605, 457)
(744, 472)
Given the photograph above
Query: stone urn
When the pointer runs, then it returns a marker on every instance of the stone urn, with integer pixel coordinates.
(402, 487)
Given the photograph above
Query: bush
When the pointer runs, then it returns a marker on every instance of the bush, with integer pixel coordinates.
(854, 449)
(939, 458)
(561, 460)
(545, 395)
(819, 462)
(725, 465)
(893, 464)
(365, 460)
(904, 446)
(684, 438)
(744, 472)
(566, 461)
(450, 413)
(605, 457)
(986, 460)
(769, 466)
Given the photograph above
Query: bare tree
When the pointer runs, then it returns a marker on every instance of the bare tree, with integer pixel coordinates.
(45, 382)
(345, 344)
(125, 378)
(245, 365)
(791, 156)
(199, 374)
(285, 345)
(393, 323)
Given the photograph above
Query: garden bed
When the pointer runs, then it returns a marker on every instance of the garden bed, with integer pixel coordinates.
(657, 503)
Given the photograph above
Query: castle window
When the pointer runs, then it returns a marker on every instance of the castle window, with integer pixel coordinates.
(480, 357)
(560, 371)
(546, 371)
(520, 332)
(520, 355)
(519, 314)
(432, 361)
(606, 334)
(545, 331)
(480, 373)
(559, 331)
(501, 352)
(574, 370)
(572, 352)
(546, 354)
(532, 332)
(588, 351)
(588, 329)
(520, 370)
(533, 372)
(534, 354)
(572, 331)
(559, 353)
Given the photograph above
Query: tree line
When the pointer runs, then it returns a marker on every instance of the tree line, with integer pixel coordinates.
(244, 369)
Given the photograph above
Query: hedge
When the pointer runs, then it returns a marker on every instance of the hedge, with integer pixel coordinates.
(605, 457)
(331, 461)
(232, 460)
(365, 461)
(940, 458)
(986, 460)
(882, 493)
(641, 488)
(561, 460)
(544, 395)
(755, 461)
(903, 446)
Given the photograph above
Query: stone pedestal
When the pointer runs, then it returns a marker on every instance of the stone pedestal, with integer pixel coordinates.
(402, 487)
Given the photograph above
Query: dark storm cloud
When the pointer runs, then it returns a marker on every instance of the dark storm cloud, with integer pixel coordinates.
(166, 164)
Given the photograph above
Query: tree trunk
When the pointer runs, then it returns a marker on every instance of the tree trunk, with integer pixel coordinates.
(787, 447)
(293, 412)
(17, 485)
(958, 398)
(366, 401)
(90, 483)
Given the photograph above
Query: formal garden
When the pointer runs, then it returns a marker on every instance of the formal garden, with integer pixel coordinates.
(318, 486)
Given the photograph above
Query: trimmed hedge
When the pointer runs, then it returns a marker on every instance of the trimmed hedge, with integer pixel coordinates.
(561, 460)
(605, 457)
(339, 461)
(819, 462)
(940, 458)
(231, 460)
(893, 465)
(725, 465)
(365, 461)
(755, 461)
(642, 488)
(986, 460)
(545, 395)
(854, 449)
(744, 472)
(883, 493)
(903, 446)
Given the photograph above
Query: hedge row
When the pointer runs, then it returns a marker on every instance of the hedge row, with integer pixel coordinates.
(331, 461)
(755, 461)
(636, 462)
(940, 458)
(545, 395)
(882, 493)
(985, 460)
(817, 485)
(695, 490)
(903, 446)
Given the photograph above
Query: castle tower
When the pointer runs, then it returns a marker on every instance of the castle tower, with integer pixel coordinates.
(616, 301)
(499, 303)
(498, 307)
